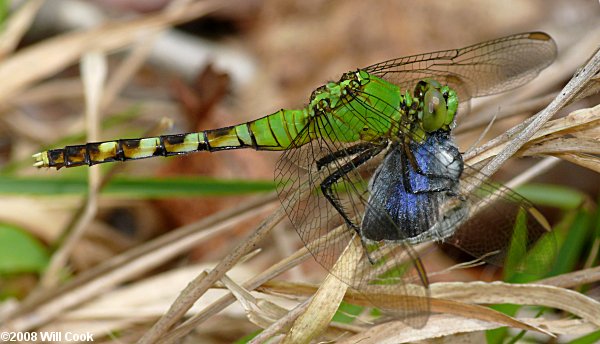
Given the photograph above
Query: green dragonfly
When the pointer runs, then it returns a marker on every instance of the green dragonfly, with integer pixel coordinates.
(389, 123)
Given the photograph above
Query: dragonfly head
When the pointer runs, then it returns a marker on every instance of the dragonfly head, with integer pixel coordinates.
(438, 105)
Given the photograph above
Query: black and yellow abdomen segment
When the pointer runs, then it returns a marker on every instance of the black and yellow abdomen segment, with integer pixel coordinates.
(273, 132)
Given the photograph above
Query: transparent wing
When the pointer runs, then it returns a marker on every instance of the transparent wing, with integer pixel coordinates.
(394, 267)
(322, 185)
(477, 70)
(482, 218)
(503, 227)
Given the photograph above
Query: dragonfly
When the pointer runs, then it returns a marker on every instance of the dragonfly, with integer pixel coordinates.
(372, 157)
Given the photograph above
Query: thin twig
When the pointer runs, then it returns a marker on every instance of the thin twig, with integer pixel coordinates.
(194, 291)
(570, 91)
(127, 266)
(17, 25)
(139, 53)
(505, 112)
(281, 324)
(16, 71)
(482, 135)
(534, 171)
(93, 72)
(573, 279)
(253, 283)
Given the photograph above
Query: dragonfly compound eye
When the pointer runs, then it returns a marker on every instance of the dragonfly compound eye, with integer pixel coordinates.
(420, 89)
(434, 110)
(451, 103)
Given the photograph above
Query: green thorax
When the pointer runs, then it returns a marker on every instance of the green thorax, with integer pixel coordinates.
(367, 108)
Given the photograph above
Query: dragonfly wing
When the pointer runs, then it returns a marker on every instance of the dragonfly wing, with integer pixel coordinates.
(478, 70)
(461, 217)
(394, 267)
(514, 225)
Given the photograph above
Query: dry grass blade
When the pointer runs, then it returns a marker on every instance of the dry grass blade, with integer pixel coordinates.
(438, 305)
(93, 71)
(588, 162)
(138, 55)
(397, 332)
(521, 294)
(254, 283)
(452, 329)
(476, 312)
(574, 138)
(327, 299)
(260, 312)
(282, 325)
(563, 326)
(465, 294)
(518, 136)
(592, 88)
(141, 300)
(573, 279)
(507, 111)
(16, 26)
(565, 145)
(577, 122)
(57, 53)
(51, 304)
(580, 123)
(194, 290)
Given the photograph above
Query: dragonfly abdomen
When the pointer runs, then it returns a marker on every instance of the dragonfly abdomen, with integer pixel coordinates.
(273, 132)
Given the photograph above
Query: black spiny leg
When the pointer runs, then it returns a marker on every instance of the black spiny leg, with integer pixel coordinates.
(326, 185)
(357, 148)
(411, 158)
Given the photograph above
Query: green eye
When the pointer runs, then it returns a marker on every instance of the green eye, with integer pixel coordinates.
(434, 110)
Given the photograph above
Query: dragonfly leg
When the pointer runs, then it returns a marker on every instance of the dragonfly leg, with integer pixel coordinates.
(342, 153)
(327, 184)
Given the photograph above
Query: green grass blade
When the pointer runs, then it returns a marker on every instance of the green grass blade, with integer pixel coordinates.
(347, 313)
(589, 338)
(134, 187)
(20, 252)
(552, 195)
(578, 234)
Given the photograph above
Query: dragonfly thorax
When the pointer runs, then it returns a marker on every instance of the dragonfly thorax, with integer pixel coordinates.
(330, 95)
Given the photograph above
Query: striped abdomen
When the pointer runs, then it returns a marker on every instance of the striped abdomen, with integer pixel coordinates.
(273, 132)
